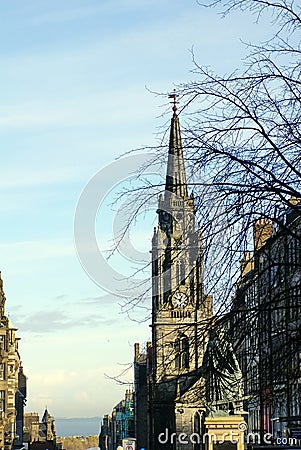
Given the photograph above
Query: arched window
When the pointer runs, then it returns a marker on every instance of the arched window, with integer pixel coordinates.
(182, 352)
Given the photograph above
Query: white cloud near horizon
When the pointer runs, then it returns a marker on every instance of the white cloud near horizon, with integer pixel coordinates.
(85, 398)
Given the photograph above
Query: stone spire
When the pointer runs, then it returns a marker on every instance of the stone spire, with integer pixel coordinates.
(176, 176)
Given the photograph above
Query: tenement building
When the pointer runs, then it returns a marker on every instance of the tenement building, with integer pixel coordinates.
(267, 326)
(12, 383)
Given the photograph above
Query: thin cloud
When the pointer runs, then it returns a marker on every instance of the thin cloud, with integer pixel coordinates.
(86, 110)
(53, 321)
(107, 299)
(17, 178)
(36, 250)
(78, 13)
(61, 296)
(69, 15)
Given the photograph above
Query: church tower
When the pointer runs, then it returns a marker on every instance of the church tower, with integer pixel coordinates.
(180, 309)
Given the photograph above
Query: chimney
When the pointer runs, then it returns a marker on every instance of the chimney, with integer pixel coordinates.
(247, 263)
(263, 229)
(137, 351)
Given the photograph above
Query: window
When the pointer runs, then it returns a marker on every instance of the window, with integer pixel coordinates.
(182, 266)
(177, 274)
(182, 352)
(197, 431)
(2, 371)
(2, 342)
(2, 400)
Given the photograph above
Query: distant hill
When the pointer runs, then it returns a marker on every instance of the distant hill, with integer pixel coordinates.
(81, 426)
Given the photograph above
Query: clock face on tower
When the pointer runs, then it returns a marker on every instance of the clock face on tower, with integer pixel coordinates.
(179, 300)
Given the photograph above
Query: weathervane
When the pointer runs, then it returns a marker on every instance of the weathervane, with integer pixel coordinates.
(174, 102)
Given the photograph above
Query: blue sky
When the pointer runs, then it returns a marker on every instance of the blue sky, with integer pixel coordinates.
(73, 98)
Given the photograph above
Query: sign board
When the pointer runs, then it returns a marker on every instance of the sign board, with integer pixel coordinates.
(129, 444)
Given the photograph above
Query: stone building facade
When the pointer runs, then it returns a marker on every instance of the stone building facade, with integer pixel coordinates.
(267, 306)
(38, 432)
(12, 382)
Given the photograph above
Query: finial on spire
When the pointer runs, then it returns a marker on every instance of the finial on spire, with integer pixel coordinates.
(174, 101)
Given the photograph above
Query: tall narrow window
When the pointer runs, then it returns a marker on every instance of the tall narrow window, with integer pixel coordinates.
(2, 371)
(177, 354)
(2, 342)
(177, 274)
(2, 401)
(182, 272)
(185, 353)
(197, 431)
(182, 352)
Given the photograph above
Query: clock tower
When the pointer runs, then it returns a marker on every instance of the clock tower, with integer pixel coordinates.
(180, 309)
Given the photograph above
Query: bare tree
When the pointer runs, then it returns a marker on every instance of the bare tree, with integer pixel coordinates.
(242, 145)
(242, 141)
(242, 136)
